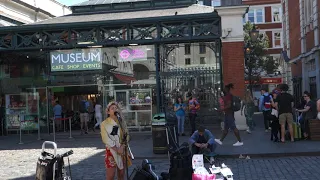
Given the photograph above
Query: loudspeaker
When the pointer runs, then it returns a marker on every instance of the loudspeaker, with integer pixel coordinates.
(181, 173)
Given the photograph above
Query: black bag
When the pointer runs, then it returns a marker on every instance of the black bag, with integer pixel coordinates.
(236, 103)
(181, 163)
(44, 169)
(83, 107)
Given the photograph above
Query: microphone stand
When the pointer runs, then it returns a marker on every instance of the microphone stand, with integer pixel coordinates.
(125, 143)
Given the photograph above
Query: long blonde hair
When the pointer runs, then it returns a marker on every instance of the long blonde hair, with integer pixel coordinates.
(247, 97)
(123, 122)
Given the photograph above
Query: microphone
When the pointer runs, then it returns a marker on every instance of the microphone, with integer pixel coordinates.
(118, 115)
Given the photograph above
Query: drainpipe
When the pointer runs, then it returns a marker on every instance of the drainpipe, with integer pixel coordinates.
(316, 43)
(305, 79)
(287, 64)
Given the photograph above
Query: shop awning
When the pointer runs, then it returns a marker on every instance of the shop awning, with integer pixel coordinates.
(124, 78)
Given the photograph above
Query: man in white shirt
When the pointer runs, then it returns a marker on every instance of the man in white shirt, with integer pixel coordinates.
(98, 114)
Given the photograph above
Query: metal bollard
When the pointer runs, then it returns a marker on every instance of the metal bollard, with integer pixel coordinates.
(20, 131)
(70, 128)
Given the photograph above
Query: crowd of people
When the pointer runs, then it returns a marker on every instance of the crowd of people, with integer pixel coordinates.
(278, 110)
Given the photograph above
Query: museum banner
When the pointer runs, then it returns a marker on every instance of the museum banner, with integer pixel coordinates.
(76, 59)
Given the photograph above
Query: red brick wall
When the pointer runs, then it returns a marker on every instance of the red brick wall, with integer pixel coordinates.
(310, 40)
(269, 26)
(294, 28)
(296, 69)
(259, 2)
(232, 66)
(274, 51)
(318, 14)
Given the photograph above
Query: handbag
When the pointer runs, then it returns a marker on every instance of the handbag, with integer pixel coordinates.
(274, 112)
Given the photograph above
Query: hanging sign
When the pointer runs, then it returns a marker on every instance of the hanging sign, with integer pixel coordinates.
(76, 59)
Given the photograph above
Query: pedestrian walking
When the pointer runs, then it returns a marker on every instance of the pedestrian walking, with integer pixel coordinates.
(265, 108)
(248, 107)
(229, 120)
(98, 114)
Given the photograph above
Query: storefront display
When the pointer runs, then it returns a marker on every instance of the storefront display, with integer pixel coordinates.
(22, 110)
(137, 107)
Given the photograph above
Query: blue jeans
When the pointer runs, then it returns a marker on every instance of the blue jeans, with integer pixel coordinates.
(211, 149)
(181, 123)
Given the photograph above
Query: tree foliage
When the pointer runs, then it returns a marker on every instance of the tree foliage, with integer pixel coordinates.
(257, 61)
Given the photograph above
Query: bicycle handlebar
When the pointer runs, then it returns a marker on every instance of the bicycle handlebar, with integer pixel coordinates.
(66, 154)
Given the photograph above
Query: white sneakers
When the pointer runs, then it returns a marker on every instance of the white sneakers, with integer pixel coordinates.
(218, 141)
(238, 144)
(235, 144)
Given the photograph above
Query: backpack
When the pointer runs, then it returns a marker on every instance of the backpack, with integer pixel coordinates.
(221, 103)
(83, 107)
(236, 103)
(267, 101)
(197, 105)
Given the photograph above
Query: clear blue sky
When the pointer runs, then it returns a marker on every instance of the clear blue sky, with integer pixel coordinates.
(70, 2)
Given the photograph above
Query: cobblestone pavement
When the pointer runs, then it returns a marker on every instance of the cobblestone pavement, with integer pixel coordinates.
(87, 163)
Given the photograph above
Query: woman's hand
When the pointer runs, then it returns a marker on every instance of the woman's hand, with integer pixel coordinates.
(120, 149)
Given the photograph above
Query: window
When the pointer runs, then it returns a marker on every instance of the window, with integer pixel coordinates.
(251, 16)
(202, 48)
(308, 12)
(187, 49)
(255, 16)
(216, 3)
(312, 65)
(259, 15)
(277, 40)
(313, 87)
(276, 14)
(202, 60)
(187, 61)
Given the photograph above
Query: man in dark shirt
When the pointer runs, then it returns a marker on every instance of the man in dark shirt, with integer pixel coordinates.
(229, 120)
(284, 103)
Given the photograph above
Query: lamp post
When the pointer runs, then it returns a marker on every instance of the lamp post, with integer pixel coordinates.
(249, 53)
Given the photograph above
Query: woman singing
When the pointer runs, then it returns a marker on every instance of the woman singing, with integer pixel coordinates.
(114, 141)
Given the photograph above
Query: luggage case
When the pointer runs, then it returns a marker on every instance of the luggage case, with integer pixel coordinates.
(45, 164)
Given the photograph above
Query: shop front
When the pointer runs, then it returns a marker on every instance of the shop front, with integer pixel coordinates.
(143, 59)
(270, 84)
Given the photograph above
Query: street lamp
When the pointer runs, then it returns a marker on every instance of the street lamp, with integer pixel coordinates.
(254, 35)
(248, 50)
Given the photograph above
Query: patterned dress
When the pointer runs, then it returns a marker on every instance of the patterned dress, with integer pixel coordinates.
(112, 158)
(248, 112)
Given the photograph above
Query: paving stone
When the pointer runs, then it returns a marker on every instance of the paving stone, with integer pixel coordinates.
(88, 163)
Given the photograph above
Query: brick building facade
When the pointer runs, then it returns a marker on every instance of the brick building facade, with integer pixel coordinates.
(231, 12)
(267, 16)
(301, 43)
